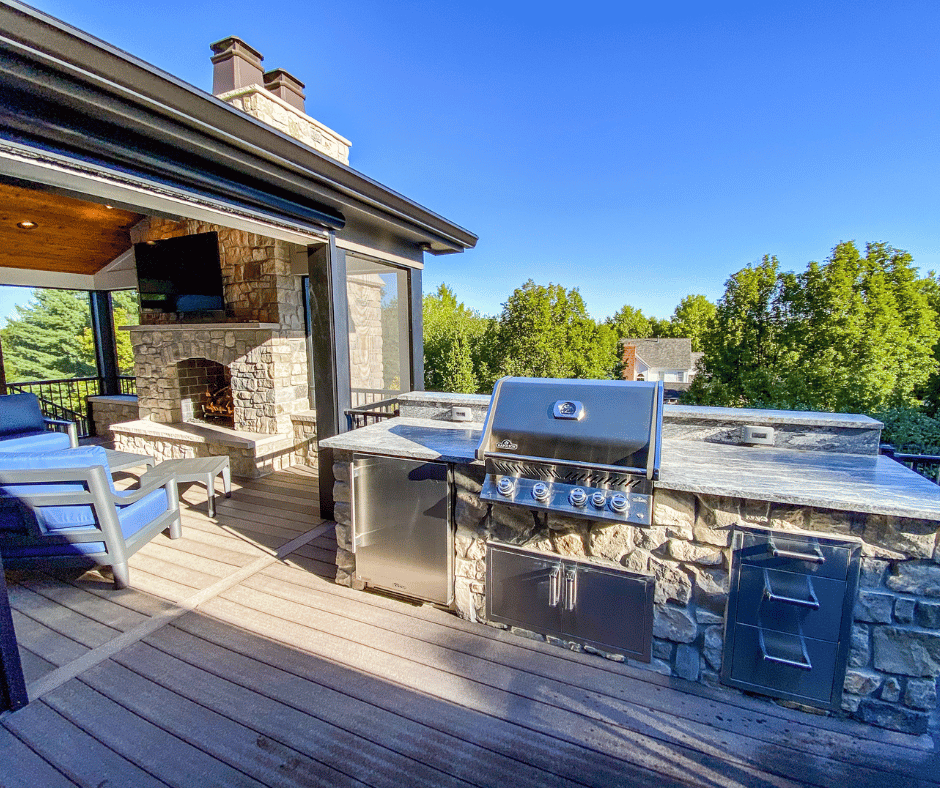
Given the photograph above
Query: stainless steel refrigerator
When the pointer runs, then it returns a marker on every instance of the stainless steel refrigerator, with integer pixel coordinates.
(402, 521)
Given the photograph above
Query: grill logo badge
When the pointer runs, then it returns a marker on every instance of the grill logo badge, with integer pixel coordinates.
(507, 444)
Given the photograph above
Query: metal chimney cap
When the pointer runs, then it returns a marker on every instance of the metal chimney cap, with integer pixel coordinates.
(233, 45)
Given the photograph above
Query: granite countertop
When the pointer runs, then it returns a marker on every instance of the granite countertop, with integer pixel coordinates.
(416, 439)
(846, 482)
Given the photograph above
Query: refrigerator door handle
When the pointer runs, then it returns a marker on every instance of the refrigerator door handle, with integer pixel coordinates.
(353, 538)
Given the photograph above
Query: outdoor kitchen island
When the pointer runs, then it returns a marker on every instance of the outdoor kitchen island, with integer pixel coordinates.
(840, 491)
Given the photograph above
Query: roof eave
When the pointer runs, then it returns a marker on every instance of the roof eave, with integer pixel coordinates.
(186, 116)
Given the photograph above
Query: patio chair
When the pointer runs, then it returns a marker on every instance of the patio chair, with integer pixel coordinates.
(61, 508)
(24, 428)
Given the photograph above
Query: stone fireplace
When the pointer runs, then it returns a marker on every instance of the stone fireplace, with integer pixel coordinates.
(267, 371)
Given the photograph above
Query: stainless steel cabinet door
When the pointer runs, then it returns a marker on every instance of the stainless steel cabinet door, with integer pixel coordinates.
(524, 590)
(402, 534)
(610, 610)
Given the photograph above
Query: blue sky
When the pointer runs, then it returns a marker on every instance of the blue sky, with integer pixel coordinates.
(637, 151)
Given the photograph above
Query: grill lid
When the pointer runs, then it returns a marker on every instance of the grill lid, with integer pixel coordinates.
(597, 422)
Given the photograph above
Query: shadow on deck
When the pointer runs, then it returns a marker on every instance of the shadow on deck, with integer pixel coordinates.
(235, 660)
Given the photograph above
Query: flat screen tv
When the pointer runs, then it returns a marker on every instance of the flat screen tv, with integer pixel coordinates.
(180, 274)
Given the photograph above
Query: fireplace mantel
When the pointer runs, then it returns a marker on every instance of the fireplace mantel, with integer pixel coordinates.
(204, 327)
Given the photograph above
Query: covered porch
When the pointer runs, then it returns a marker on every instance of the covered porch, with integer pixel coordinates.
(236, 660)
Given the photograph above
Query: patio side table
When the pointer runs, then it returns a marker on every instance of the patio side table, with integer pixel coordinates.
(202, 470)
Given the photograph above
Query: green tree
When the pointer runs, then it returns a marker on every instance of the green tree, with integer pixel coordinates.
(629, 323)
(45, 339)
(545, 331)
(693, 318)
(454, 345)
(126, 312)
(741, 348)
(856, 333)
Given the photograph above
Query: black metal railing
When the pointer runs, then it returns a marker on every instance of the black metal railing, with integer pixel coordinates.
(372, 413)
(67, 398)
(372, 397)
(918, 460)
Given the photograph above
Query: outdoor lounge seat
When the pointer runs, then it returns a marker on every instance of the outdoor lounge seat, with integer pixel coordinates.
(24, 428)
(61, 508)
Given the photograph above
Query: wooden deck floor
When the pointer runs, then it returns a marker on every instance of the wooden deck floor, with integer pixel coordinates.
(235, 661)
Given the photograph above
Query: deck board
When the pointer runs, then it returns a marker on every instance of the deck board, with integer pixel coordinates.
(586, 718)
(347, 700)
(21, 767)
(618, 681)
(74, 752)
(169, 758)
(277, 676)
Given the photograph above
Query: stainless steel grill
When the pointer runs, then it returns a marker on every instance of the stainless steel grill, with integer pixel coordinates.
(583, 448)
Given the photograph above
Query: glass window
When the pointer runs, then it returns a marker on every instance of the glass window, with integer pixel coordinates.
(379, 329)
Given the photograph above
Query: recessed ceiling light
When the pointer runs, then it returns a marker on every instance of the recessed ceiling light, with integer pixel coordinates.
(109, 207)
(27, 225)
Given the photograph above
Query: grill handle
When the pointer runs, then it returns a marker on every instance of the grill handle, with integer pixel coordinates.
(804, 665)
(812, 602)
(816, 558)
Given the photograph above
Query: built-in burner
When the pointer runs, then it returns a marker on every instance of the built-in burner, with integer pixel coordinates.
(583, 448)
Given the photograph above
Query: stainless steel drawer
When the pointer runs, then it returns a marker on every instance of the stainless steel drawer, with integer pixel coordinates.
(784, 664)
(789, 616)
(797, 553)
(787, 602)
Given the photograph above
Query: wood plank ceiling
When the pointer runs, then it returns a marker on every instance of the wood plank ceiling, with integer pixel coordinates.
(70, 235)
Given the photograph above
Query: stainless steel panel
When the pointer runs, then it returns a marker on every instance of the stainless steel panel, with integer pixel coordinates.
(612, 610)
(796, 553)
(402, 526)
(789, 618)
(787, 602)
(638, 507)
(524, 590)
(619, 422)
(784, 664)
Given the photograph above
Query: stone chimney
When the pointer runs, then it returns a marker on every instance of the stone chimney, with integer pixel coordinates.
(286, 86)
(235, 65)
(275, 98)
(629, 362)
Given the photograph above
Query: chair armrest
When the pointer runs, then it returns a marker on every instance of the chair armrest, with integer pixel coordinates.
(70, 426)
(147, 486)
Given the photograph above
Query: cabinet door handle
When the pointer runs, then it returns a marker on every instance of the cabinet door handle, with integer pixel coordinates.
(804, 665)
(571, 588)
(815, 558)
(812, 602)
(554, 586)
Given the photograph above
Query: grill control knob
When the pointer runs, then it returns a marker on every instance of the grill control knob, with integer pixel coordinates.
(577, 497)
(598, 499)
(541, 492)
(505, 486)
(619, 503)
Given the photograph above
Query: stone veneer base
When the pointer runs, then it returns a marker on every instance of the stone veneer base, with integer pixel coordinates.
(251, 455)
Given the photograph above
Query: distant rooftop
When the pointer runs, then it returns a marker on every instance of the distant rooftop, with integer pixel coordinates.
(663, 353)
